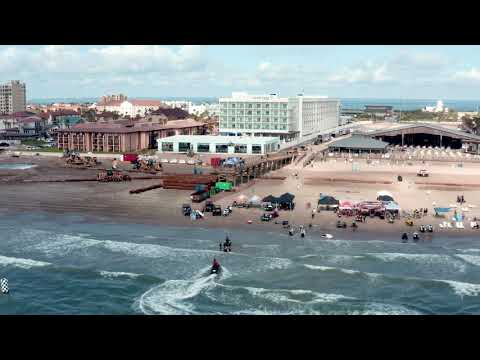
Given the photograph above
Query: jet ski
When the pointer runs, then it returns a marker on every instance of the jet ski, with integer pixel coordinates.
(215, 269)
(302, 233)
(290, 232)
(422, 229)
(327, 236)
(404, 237)
(429, 228)
(415, 237)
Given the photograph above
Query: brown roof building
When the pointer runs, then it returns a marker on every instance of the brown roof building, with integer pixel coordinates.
(124, 135)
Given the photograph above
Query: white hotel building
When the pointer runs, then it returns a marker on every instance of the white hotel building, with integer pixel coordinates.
(273, 116)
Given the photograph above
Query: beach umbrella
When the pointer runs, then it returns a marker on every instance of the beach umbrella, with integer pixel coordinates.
(255, 199)
(384, 193)
(385, 198)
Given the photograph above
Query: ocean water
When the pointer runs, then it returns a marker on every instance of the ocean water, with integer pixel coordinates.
(346, 103)
(411, 104)
(71, 265)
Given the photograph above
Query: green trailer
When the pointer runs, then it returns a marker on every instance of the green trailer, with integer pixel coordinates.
(223, 186)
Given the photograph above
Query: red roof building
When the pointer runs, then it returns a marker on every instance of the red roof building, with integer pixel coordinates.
(123, 135)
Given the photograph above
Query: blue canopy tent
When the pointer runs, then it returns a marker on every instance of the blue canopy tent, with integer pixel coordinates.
(441, 210)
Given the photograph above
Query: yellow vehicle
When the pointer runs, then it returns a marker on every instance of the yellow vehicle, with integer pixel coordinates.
(409, 222)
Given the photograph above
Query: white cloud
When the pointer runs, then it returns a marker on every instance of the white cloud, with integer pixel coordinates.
(364, 73)
(471, 74)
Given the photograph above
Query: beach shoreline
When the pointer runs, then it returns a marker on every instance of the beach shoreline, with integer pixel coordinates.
(163, 207)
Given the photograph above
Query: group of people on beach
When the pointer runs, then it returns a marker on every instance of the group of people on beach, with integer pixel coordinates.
(460, 199)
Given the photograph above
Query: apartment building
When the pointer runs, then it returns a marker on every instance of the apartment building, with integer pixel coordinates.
(13, 97)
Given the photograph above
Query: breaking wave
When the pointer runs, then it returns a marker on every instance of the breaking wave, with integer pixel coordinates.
(22, 263)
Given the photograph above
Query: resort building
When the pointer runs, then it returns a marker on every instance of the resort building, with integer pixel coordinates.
(274, 116)
(123, 135)
(21, 125)
(218, 144)
(13, 97)
(130, 108)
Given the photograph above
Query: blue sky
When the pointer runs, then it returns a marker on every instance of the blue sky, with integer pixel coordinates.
(409, 72)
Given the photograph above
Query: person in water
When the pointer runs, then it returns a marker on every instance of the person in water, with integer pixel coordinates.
(220, 247)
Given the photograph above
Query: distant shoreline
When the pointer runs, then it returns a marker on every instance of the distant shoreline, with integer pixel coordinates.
(346, 103)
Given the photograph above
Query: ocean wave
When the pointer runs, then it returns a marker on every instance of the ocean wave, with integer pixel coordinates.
(460, 288)
(384, 309)
(471, 259)
(468, 250)
(22, 263)
(329, 268)
(463, 289)
(172, 296)
(117, 274)
(421, 259)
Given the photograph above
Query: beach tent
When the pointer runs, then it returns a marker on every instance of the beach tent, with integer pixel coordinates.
(327, 200)
(345, 205)
(385, 198)
(286, 198)
(286, 201)
(255, 200)
(392, 207)
(384, 193)
(270, 199)
(441, 210)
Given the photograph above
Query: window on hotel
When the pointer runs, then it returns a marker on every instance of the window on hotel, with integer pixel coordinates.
(256, 149)
(203, 148)
(221, 148)
(233, 105)
(240, 149)
(249, 112)
(167, 146)
(183, 147)
(250, 106)
(267, 106)
(258, 106)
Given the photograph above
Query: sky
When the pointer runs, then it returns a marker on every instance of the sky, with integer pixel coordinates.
(406, 72)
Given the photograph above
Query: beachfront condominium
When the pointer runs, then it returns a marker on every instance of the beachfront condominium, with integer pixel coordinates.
(12, 97)
(270, 115)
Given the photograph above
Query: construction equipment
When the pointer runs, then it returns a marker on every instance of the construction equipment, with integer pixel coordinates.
(112, 176)
(147, 165)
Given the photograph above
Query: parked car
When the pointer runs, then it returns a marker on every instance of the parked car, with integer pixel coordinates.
(209, 206)
(268, 207)
(266, 217)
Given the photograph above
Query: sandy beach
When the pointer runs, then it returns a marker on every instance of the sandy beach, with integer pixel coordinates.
(113, 202)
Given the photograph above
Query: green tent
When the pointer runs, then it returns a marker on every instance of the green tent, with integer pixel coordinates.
(225, 186)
